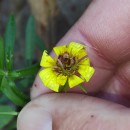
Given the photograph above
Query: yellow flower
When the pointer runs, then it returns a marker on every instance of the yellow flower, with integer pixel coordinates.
(72, 66)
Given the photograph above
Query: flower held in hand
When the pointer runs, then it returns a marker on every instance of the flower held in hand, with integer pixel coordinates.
(70, 68)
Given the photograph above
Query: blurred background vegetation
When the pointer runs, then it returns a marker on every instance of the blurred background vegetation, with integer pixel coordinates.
(39, 25)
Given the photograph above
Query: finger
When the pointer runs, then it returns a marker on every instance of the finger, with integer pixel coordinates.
(36, 118)
(104, 27)
(118, 89)
(73, 112)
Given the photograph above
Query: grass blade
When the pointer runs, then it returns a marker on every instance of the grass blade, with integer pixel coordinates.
(9, 88)
(9, 38)
(29, 40)
(32, 70)
(12, 113)
(1, 53)
(39, 43)
(6, 118)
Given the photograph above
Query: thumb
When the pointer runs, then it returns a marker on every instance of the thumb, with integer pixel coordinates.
(35, 118)
(73, 112)
(104, 27)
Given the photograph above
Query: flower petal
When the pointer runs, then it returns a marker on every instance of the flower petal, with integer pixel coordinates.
(81, 53)
(59, 50)
(85, 62)
(74, 81)
(74, 47)
(49, 79)
(47, 60)
(61, 79)
(86, 72)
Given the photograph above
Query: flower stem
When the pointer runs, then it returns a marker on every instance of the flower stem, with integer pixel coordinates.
(83, 88)
(64, 88)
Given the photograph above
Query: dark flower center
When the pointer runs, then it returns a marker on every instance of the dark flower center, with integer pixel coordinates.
(66, 62)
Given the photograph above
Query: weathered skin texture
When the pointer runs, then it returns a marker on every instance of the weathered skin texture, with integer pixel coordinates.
(105, 29)
(74, 112)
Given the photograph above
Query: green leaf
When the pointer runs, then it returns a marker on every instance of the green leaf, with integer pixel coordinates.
(29, 40)
(13, 113)
(1, 77)
(39, 42)
(1, 80)
(12, 125)
(9, 88)
(32, 70)
(5, 119)
(1, 53)
(3, 99)
(2, 72)
(9, 42)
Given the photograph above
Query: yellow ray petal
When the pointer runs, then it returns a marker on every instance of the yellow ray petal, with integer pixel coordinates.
(74, 81)
(85, 62)
(61, 79)
(86, 72)
(45, 75)
(74, 48)
(49, 79)
(53, 85)
(47, 60)
(81, 53)
(60, 50)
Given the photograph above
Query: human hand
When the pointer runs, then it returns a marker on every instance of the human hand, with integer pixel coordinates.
(105, 29)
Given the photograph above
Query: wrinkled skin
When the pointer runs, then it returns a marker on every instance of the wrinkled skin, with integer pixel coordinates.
(105, 29)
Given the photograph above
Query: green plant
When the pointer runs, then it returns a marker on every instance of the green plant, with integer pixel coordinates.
(13, 83)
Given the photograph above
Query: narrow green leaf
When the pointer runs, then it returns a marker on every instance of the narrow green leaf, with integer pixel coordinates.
(32, 70)
(9, 88)
(13, 113)
(3, 99)
(1, 53)
(83, 88)
(1, 77)
(39, 42)
(9, 42)
(29, 41)
(25, 82)
(12, 125)
(2, 72)
(5, 119)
